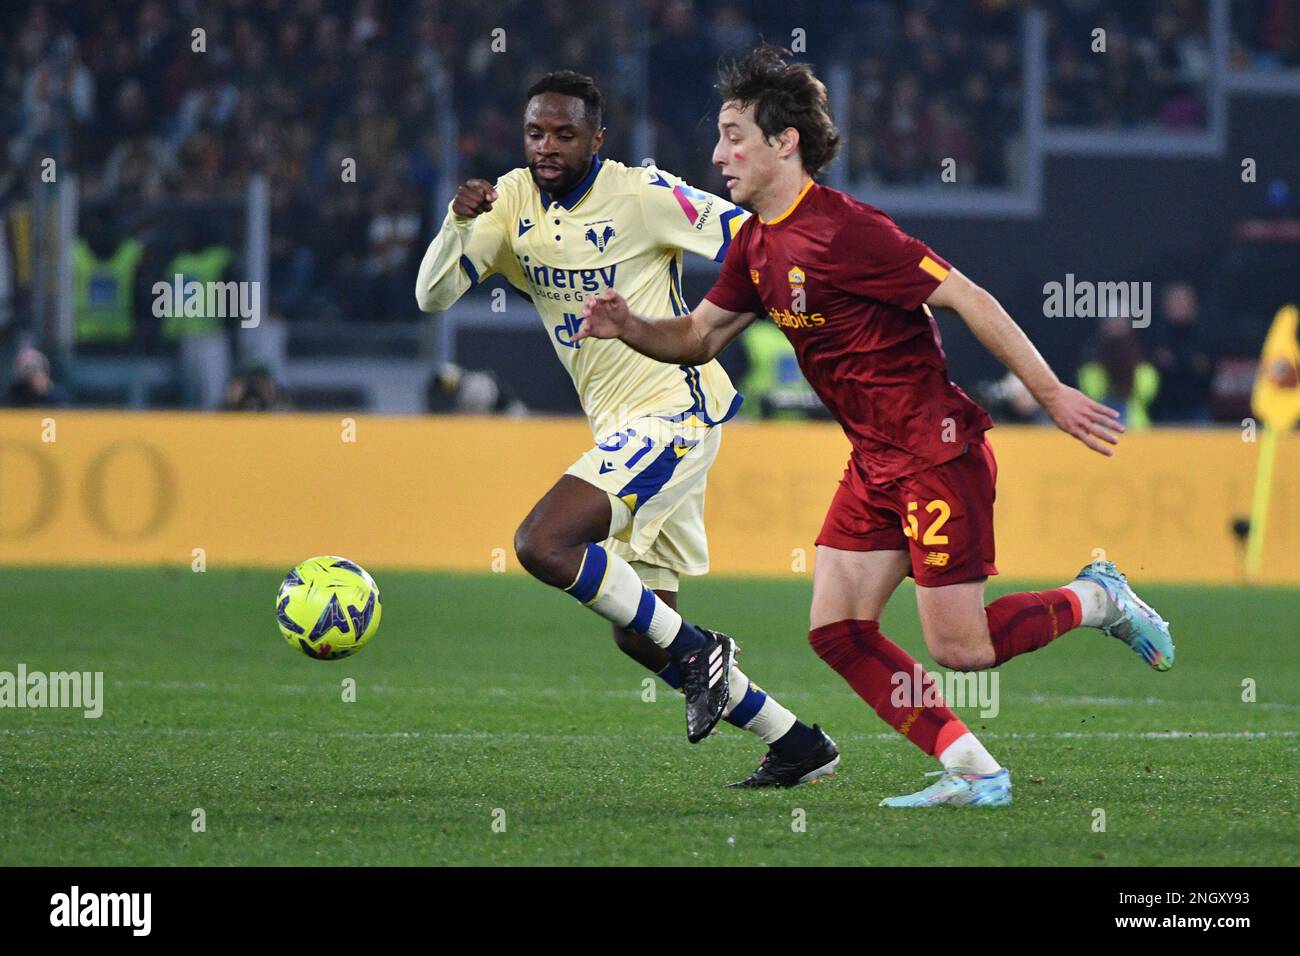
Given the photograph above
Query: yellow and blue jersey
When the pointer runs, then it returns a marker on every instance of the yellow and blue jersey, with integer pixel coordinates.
(622, 227)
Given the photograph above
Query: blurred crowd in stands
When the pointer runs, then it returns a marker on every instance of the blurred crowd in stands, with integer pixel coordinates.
(148, 111)
(172, 105)
(1265, 35)
(1128, 65)
(145, 109)
(932, 82)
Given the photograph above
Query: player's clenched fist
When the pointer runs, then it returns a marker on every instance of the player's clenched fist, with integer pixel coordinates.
(604, 316)
(474, 197)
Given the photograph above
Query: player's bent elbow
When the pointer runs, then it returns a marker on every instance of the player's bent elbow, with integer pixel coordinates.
(707, 345)
(427, 301)
(700, 356)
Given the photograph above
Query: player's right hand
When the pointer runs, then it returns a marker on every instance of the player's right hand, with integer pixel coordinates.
(473, 198)
(604, 316)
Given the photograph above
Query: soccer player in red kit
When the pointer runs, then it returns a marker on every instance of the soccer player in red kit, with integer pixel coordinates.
(852, 292)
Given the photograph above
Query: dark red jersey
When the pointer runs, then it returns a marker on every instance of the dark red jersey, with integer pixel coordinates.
(847, 287)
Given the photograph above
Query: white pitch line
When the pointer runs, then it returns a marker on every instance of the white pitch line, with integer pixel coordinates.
(1037, 698)
(579, 692)
(575, 738)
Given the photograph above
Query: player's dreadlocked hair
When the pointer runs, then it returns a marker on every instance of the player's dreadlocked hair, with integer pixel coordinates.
(784, 95)
(570, 83)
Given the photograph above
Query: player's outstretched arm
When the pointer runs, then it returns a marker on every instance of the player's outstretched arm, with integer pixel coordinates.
(463, 238)
(682, 339)
(1094, 424)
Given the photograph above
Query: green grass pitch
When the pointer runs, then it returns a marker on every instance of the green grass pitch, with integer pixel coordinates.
(490, 698)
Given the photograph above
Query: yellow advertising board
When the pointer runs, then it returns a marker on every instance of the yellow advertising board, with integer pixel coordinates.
(80, 487)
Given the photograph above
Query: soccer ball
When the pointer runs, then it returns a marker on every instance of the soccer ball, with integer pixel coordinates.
(328, 607)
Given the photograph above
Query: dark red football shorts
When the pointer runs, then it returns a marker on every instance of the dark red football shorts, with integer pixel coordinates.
(943, 516)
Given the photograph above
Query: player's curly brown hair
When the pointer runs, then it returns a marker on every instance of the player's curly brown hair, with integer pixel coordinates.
(783, 95)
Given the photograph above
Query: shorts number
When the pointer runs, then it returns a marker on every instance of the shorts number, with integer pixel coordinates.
(646, 444)
(932, 535)
(616, 441)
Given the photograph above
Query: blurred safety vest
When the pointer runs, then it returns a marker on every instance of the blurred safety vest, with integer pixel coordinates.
(773, 381)
(1095, 383)
(103, 291)
(204, 267)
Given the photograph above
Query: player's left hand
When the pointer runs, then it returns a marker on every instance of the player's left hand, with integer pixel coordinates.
(1091, 422)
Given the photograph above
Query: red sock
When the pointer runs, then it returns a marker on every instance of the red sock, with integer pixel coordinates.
(868, 660)
(1020, 623)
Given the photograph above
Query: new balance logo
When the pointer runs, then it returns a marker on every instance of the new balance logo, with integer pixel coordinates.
(936, 559)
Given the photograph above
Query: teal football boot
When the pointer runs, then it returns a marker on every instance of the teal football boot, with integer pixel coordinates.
(957, 788)
(1131, 620)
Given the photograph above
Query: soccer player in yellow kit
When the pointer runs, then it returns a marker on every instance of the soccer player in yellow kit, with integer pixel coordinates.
(627, 518)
